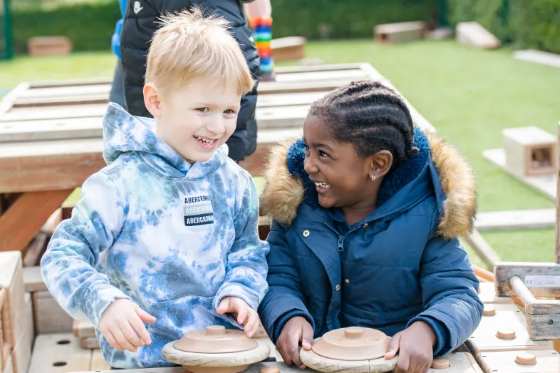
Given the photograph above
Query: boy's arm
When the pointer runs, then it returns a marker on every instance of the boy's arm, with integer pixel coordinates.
(285, 298)
(246, 266)
(68, 266)
(450, 294)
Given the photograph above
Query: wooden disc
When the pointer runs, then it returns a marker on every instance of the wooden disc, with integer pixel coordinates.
(194, 361)
(526, 359)
(440, 364)
(352, 344)
(489, 310)
(323, 364)
(505, 333)
(215, 339)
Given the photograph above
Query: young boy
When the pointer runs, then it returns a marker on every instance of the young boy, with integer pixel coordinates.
(166, 234)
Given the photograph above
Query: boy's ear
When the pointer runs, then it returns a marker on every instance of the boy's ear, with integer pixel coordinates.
(152, 99)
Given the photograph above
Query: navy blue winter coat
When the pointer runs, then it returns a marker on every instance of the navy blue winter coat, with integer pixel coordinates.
(400, 264)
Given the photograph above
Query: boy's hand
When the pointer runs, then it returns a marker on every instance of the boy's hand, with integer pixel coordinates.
(416, 348)
(245, 315)
(296, 330)
(122, 325)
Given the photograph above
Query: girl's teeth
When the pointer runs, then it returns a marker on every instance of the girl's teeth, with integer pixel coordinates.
(323, 185)
(204, 140)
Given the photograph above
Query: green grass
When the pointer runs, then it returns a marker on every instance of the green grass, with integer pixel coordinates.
(468, 95)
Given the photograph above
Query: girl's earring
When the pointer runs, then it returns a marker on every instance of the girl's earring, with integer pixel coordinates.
(373, 177)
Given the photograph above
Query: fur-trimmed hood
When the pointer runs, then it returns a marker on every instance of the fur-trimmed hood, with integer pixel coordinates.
(287, 185)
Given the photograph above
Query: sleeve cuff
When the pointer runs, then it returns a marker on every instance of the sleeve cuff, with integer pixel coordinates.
(100, 299)
(240, 292)
(282, 320)
(442, 346)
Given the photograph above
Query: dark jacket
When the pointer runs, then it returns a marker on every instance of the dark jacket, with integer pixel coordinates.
(400, 264)
(140, 23)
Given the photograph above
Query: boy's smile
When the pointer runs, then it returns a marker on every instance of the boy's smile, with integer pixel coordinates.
(196, 118)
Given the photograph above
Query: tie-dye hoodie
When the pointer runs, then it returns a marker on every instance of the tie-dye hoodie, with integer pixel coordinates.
(173, 237)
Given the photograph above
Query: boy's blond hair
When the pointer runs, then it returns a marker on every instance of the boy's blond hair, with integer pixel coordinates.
(190, 45)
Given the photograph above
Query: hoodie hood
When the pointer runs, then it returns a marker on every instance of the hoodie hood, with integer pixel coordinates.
(124, 133)
(438, 168)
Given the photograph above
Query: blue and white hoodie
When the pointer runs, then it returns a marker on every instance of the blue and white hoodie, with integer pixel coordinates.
(173, 237)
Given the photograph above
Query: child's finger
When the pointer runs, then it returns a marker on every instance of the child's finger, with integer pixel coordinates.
(131, 335)
(307, 337)
(242, 315)
(140, 329)
(393, 347)
(121, 339)
(224, 306)
(293, 348)
(145, 316)
(112, 341)
(403, 362)
(255, 327)
(250, 327)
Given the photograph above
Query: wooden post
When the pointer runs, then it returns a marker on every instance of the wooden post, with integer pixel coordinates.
(557, 234)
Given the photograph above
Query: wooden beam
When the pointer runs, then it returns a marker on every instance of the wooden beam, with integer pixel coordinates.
(33, 280)
(26, 216)
(557, 230)
(543, 279)
(515, 220)
(482, 249)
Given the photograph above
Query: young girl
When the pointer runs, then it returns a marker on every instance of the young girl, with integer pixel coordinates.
(367, 210)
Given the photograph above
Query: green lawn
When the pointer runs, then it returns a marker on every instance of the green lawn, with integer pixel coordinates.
(468, 95)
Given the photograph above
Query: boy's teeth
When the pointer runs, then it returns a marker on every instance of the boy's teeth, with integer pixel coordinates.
(204, 140)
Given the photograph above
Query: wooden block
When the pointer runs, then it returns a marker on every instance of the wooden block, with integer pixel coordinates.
(85, 329)
(22, 351)
(11, 279)
(89, 343)
(515, 220)
(289, 48)
(18, 226)
(474, 35)
(488, 295)
(59, 353)
(544, 184)
(6, 342)
(98, 362)
(49, 316)
(399, 32)
(505, 362)
(49, 46)
(530, 151)
(508, 318)
(33, 280)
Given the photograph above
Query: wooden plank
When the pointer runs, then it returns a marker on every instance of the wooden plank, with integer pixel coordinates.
(543, 279)
(34, 250)
(22, 351)
(58, 353)
(98, 362)
(504, 362)
(473, 34)
(545, 184)
(11, 279)
(49, 165)
(8, 100)
(515, 220)
(9, 365)
(539, 57)
(49, 315)
(508, 316)
(5, 330)
(18, 226)
(33, 280)
(482, 249)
